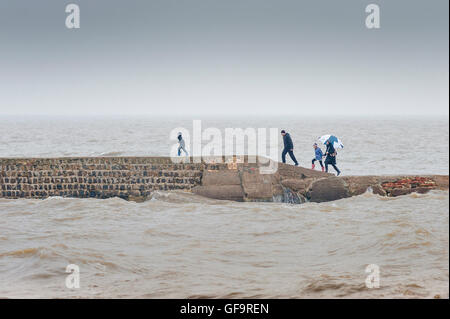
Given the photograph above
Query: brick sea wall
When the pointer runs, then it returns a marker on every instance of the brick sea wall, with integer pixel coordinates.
(135, 178)
(97, 177)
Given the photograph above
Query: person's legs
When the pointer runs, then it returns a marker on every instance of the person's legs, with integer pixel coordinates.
(283, 155)
(291, 154)
(313, 165)
(179, 150)
(321, 164)
(326, 164)
(337, 169)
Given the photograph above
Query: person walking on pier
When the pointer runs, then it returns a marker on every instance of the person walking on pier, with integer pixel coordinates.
(318, 157)
(182, 145)
(331, 157)
(288, 147)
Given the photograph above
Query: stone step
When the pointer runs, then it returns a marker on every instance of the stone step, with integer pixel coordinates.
(224, 192)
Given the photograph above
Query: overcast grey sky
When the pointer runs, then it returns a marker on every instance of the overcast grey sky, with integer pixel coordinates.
(210, 57)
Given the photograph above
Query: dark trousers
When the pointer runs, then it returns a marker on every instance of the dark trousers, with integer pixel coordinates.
(291, 154)
(313, 161)
(331, 160)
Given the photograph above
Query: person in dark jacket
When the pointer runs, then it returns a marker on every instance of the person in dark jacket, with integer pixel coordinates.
(181, 145)
(331, 157)
(288, 147)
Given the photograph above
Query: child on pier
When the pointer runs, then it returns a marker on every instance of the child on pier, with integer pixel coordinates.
(318, 156)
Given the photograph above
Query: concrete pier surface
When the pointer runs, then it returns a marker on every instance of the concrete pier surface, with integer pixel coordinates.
(241, 178)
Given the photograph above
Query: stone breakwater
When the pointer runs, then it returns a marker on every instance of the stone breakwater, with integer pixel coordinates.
(135, 178)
